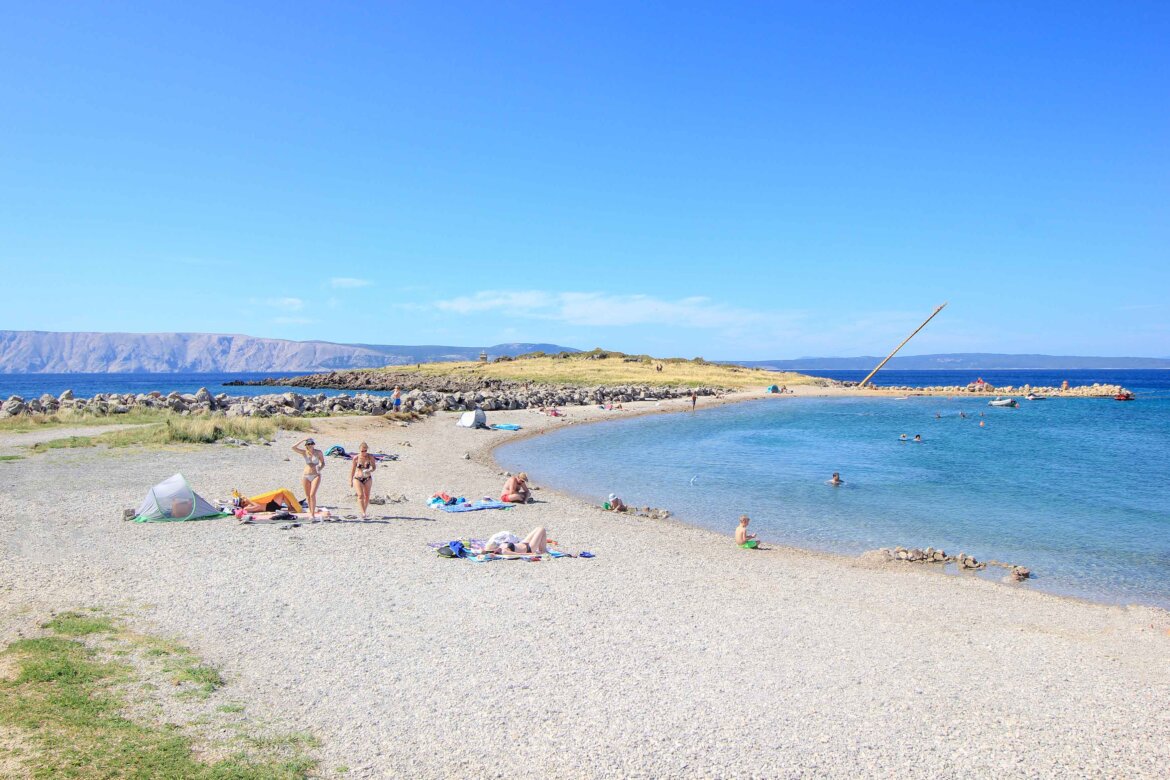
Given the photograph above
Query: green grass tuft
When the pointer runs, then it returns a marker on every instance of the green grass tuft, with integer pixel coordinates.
(206, 677)
(76, 624)
(195, 429)
(64, 706)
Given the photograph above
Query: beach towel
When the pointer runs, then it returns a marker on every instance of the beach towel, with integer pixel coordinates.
(473, 551)
(442, 499)
(505, 427)
(474, 507)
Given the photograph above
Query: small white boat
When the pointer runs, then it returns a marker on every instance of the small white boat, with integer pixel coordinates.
(1004, 402)
(1034, 397)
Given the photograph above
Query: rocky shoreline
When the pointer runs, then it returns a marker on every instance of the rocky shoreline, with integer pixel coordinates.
(446, 393)
(300, 404)
(1096, 390)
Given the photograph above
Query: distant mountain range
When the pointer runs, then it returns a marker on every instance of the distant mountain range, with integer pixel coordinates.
(36, 352)
(974, 361)
(44, 352)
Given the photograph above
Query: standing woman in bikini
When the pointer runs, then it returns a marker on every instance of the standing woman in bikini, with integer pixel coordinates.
(311, 480)
(361, 476)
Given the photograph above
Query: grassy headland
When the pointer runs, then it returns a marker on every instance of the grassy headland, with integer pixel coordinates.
(604, 367)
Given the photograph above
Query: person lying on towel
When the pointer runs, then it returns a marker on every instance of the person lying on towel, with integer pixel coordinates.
(507, 543)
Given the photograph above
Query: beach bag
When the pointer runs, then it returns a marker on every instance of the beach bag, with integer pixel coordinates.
(453, 549)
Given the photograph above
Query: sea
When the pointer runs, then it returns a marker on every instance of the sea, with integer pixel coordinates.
(1073, 489)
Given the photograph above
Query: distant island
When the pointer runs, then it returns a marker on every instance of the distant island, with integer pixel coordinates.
(44, 352)
(959, 361)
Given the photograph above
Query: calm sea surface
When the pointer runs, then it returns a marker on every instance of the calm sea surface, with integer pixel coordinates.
(1075, 489)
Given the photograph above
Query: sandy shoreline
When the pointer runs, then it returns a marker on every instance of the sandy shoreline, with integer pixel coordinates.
(672, 653)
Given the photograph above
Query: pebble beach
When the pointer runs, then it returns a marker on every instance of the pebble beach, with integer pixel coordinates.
(672, 653)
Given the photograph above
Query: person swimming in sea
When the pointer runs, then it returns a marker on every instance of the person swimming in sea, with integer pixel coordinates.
(836, 481)
(918, 437)
(903, 438)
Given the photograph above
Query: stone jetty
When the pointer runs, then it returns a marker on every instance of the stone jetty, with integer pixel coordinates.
(489, 398)
(985, 390)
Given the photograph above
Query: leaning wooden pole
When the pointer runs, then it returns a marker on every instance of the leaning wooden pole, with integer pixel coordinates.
(865, 381)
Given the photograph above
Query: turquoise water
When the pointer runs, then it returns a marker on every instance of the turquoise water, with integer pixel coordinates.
(1075, 489)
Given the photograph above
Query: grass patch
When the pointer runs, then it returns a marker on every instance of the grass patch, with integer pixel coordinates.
(74, 418)
(77, 624)
(207, 678)
(230, 708)
(11, 457)
(195, 429)
(601, 367)
(409, 416)
(296, 739)
(64, 706)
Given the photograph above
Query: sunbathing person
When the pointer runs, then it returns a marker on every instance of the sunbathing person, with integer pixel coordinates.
(516, 490)
(507, 543)
(255, 507)
(616, 504)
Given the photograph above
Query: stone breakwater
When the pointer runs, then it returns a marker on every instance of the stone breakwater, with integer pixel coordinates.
(1015, 573)
(490, 398)
(1083, 391)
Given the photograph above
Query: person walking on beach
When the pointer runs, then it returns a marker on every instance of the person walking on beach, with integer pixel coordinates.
(361, 477)
(694, 399)
(742, 537)
(396, 396)
(311, 479)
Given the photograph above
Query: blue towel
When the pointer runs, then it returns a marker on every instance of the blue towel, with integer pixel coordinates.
(506, 427)
(469, 507)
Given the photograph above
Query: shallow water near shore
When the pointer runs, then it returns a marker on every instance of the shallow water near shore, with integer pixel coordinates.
(1075, 489)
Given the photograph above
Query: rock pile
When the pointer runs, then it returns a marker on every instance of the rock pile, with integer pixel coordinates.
(1084, 391)
(653, 513)
(297, 404)
(962, 560)
(505, 393)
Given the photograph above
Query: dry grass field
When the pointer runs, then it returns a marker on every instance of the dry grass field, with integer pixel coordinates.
(600, 367)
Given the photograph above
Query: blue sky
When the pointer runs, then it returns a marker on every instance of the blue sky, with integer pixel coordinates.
(767, 180)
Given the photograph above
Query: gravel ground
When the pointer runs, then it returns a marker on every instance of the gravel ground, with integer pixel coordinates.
(672, 653)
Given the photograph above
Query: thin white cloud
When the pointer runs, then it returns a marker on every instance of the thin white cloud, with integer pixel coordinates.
(605, 309)
(288, 303)
(348, 283)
